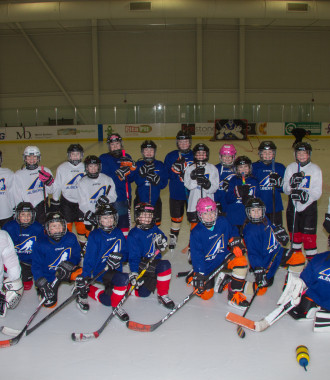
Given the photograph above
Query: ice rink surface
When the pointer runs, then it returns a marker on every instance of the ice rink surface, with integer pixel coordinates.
(196, 342)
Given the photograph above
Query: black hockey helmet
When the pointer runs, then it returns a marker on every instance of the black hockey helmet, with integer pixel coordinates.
(200, 147)
(151, 145)
(53, 217)
(104, 210)
(242, 160)
(92, 160)
(115, 137)
(303, 147)
(255, 203)
(25, 207)
(182, 135)
(149, 221)
(266, 145)
(75, 148)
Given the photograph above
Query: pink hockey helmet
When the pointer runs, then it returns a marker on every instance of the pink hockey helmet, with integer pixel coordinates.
(205, 205)
(227, 149)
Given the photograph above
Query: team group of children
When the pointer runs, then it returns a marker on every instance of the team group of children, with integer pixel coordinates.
(234, 209)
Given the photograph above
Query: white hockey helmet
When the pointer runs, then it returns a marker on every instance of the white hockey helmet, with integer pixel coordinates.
(32, 151)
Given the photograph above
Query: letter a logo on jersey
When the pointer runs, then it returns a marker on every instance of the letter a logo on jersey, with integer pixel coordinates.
(116, 247)
(325, 274)
(100, 191)
(2, 184)
(34, 184)
(272, 240)
(217, 247)
(63, 256)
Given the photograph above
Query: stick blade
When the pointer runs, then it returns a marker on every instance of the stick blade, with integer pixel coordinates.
(138, 326)
(241, 321)
(81, 337)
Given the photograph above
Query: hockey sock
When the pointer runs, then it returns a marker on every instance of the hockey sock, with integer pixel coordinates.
(163, 282)
(99, 295)
(118, 293)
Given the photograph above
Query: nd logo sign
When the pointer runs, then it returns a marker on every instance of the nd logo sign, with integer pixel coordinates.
(25, 135)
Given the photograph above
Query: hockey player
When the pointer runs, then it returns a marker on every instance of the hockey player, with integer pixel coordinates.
(94, 189)
(24, 232)
(326, 223)
(7, 203)
(227, 154)
(119, 167)
(270, 176)
(11, 288)
(150, 178)
(144, 241)
(65, 197)
(55, 256)
(33, 183)
(242, 186)
(106, 245)
(209, 242)
(264, 247)
(201, 179)
(303, 184)
(176, 163)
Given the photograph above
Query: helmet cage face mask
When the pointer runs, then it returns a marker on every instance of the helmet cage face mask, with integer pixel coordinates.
(107, 217)
(238, 165)
(73, 150)
(21, 212)
(255, 210)
(201, 148)
(115, 149)
(145, 216)
(303, 147)
(31, 151)
(183, 142)
(146, 149)
(227, 154)
(207, 212)
(52, 221)
(92, 160)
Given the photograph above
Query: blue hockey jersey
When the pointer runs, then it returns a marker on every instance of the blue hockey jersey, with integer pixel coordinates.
(225, 173)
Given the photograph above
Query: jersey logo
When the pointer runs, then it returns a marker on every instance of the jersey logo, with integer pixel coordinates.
(306, 182)
(272, 243)
(2, 185)
(116, 247)
(75, 179)
(152, 249)
(325, 275)
(227, 178)
(265, 182)
(100, 191)
(26, 245)
(217, 247)
(63, 256)
(35, 185)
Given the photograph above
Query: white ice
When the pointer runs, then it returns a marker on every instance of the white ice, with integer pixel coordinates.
(196, 342)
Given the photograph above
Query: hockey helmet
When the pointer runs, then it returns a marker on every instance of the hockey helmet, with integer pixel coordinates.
(303, 147)
(148, 144)
(115, 138)
(266, 146)
(207, 211)
(255, 210)
(75, 148)
(54, 232)
(201, 148)
(242, 160)
(144, 215)
(227, 154)
(106, 210)
(34, 152)
(92, 160)
(23, 220)
(183, 136)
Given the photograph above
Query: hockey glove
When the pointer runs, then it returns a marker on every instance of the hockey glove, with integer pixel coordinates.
(3, 305)
(237, 246)
(123, 172)
(260, 276)
(64, 271)
(54, 205)
(134, 281)
(198, 172)
(281, 235)
(203, 182)
(146, 169)
(296, 179)
(275, 180)
(299, 195)
(225, 185)
(45, 177)
(153, 178)
(113, 260)
(179, 166)
(13, 292)
(81, 286)
(326, 223)
(46, 292)
(242, 191)
(199, 281)
(91, 218)
(127, 162)
(102, 200)
(160, 242)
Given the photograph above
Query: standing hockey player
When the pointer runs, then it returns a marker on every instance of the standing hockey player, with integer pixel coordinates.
(24, 232)
(176, 163)
(7, 202)
(242, 186)
(106, 245)
(11, 287)
(264, 247)
(65, 197)
(303, 184)
(227, 154)
(94, 189)
(144, 241)
(209, 242)
(33, 183)
(55, 256)
(119, 167)
(150, 178)
(270, 176)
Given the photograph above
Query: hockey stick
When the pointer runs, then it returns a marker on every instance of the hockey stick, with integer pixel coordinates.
(273, 192)
(82, 337)
(148, 328)
(127, 197)
(16, 339)
(10, 331)
(294, 215)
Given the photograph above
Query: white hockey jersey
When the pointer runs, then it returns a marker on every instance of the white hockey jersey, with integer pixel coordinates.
(29, 188)
(8, 258)
(195, 191)
(7, 202)
(66, 181)
(90, 189)
(312, 182)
